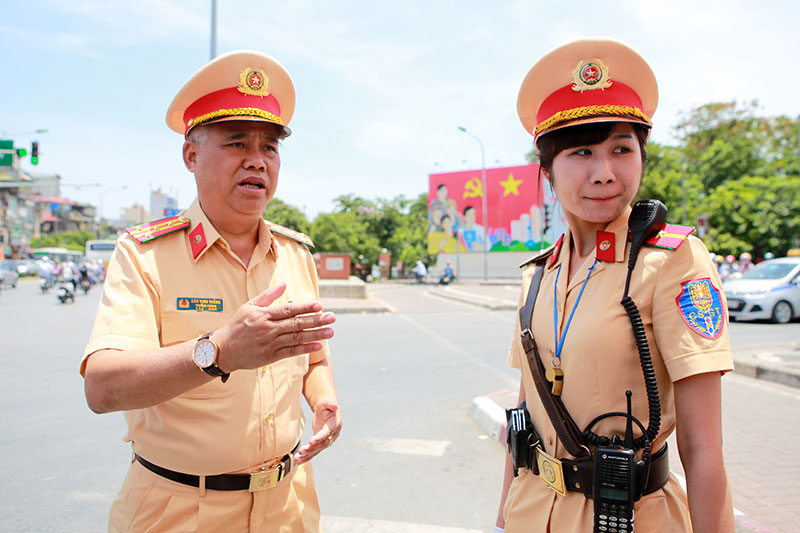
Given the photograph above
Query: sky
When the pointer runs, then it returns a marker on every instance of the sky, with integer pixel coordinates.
(382, 87)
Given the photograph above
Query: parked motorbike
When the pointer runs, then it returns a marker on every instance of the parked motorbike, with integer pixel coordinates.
(65, 292)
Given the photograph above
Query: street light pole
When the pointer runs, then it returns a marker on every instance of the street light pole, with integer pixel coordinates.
(213, 29)
(484, 207)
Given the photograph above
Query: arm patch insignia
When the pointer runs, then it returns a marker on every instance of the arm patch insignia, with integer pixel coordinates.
(700, 306)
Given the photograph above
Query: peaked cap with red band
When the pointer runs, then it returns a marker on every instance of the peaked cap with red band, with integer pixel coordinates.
(589, 80)
(239, 85)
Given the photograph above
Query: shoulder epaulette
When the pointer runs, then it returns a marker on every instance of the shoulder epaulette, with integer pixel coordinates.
(302, 238)
(152, 230)
(670, 237)
(539, 257)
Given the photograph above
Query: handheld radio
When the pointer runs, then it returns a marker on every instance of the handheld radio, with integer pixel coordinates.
(618, 481)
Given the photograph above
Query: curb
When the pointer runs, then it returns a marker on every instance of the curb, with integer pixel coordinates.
(354, 307)
(486, 302)
(778, 363)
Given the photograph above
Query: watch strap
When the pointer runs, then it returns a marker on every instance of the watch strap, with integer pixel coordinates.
(213, 369)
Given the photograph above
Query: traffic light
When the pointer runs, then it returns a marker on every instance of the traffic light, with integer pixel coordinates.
(35, 153)
(546, 218)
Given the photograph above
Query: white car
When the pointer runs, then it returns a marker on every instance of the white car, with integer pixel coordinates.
(8, 274)
(768, 291)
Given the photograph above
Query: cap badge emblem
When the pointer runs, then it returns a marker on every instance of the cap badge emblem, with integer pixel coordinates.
(590, 75)
(254, 81)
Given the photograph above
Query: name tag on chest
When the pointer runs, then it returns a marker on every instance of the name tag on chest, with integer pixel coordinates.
(199, 304)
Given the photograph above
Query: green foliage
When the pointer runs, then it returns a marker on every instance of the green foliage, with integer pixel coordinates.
(345, 232)
(287, 215)
(71, 240)
(410, 239)
(736, 167)
(755, 214)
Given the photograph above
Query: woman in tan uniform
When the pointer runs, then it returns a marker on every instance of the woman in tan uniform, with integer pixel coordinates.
(588, 105)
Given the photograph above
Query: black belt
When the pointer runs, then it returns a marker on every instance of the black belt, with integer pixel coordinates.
(579, 475)
(265, 478)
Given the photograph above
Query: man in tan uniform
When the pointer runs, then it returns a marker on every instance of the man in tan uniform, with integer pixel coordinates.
(209, 330)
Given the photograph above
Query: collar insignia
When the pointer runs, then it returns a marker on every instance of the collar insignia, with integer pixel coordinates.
(605, 246)
(197, 240)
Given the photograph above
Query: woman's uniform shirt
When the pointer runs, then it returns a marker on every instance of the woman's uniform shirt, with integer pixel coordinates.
(600, 362)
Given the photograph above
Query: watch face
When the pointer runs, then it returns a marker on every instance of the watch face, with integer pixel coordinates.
(205, 353)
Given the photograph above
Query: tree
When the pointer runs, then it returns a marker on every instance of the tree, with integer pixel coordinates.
(345, 232)
(71, 240)
(410, 239)
(755, 214)
(287, 215)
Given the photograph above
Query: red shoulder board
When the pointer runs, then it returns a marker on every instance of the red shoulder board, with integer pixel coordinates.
(302, 238)
(671, 236)
(153, 230)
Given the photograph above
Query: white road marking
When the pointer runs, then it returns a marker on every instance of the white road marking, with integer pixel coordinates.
(346, 524)
(434, 448)
(390, 307)
(430, 294)
(463, 353)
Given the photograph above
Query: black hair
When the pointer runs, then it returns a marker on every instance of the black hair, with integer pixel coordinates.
(551, 144)
(467, 209)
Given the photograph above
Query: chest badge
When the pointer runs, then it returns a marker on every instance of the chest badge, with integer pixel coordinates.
(191, 303)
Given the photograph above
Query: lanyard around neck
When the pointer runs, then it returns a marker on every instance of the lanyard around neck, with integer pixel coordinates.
(560, 342)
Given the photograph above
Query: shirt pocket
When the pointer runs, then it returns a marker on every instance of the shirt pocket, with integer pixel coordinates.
(180, 326)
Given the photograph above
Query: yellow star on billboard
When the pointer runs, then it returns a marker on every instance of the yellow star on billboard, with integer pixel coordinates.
(511, 186)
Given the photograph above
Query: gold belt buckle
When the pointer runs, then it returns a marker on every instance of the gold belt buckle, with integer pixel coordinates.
(267, 478)
(551, 472)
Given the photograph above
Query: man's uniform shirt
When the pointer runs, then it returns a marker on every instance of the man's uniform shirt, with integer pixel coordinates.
(158, 294)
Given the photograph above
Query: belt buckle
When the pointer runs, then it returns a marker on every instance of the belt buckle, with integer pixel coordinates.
(551, 472)
(267, 478)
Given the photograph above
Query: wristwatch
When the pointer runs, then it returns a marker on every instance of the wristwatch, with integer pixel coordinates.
(206, 354)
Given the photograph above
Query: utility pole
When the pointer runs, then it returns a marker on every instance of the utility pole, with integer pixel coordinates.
(213, 29)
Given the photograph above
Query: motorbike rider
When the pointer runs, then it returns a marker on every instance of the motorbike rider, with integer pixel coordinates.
(448, 275)
(83, 273)
(45, 271)
(420, 271)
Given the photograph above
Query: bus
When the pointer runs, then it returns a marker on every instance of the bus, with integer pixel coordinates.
(100, 249)
(58, 255)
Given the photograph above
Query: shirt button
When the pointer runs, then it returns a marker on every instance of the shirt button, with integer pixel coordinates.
(268, 418)
(550, 441)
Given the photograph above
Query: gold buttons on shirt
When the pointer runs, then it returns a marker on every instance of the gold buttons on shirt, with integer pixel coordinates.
(268, 418)
(549, 441)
